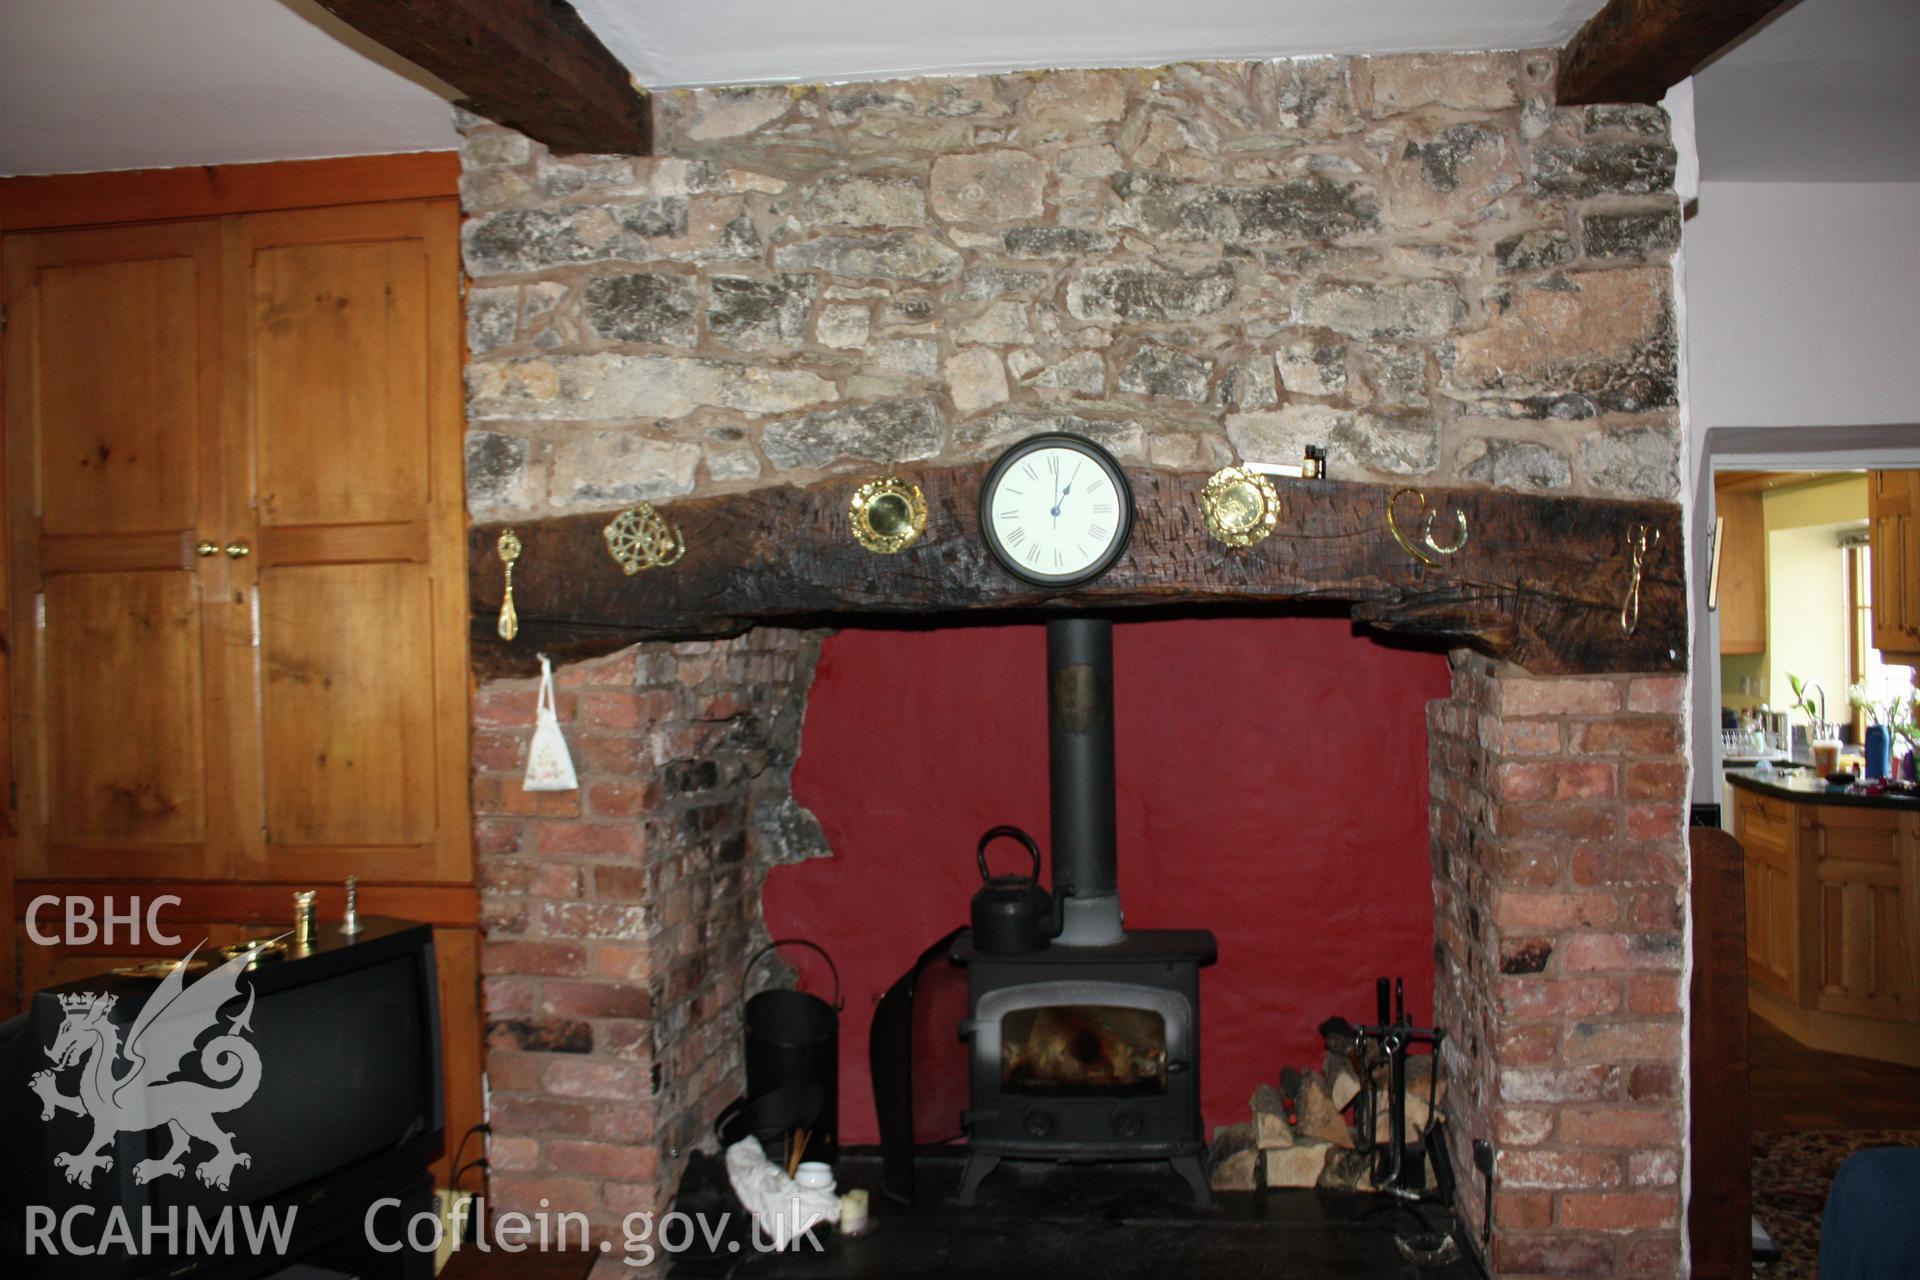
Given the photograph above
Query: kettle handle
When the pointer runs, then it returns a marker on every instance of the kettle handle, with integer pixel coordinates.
(1033, 850)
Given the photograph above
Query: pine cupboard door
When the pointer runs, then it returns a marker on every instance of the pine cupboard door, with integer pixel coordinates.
(1863, 962)
(123, 626)
(345, 330)
(1893, 515)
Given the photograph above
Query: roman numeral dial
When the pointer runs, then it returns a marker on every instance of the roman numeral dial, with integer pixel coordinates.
(1056, 510)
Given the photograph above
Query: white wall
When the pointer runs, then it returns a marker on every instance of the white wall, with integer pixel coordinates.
(1807, 614)
(1803, 305)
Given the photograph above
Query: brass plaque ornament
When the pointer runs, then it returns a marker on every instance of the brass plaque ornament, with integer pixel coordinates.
(888, 515)
(640, 538)
(1241, 506)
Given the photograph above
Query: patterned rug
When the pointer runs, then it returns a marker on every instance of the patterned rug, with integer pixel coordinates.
(1791, 1174)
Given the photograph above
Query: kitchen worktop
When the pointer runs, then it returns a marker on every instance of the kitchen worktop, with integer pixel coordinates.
(1803, 786)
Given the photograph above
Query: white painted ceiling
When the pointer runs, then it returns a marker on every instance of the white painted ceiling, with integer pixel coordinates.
(1827, 92)
(134, 84)
(741, 41)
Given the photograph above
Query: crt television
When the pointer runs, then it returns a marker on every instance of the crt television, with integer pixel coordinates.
(339, 1061)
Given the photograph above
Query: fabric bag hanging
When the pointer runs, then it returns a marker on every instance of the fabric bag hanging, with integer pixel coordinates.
(549, 764)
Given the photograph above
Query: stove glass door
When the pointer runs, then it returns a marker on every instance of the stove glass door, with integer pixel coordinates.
(1083, 1050)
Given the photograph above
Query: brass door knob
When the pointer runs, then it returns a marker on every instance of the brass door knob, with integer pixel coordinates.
(238, 551)
(204, 549)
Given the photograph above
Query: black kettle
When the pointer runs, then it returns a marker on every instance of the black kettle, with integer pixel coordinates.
(1013, 915)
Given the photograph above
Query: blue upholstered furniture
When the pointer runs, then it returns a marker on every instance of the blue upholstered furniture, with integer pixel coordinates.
(1871, 1229)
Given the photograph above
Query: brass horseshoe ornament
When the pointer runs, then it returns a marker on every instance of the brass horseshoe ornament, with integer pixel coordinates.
(1427, 540)
(640, 538)
(1640, 543)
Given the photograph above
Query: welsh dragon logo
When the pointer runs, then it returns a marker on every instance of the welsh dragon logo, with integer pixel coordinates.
(130, 1087)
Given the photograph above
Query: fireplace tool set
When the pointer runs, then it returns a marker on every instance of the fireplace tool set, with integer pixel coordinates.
(1379, 1051)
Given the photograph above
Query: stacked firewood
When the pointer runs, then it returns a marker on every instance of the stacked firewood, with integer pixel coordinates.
(1321, 1145)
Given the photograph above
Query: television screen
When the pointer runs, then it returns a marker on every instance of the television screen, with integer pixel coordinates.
(340, 1080)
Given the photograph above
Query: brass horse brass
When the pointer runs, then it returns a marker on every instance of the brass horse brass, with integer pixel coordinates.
(888, 515)
(640, 538)
(1241, 506)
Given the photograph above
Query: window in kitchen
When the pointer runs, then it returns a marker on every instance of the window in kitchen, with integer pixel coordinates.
(1883, 684)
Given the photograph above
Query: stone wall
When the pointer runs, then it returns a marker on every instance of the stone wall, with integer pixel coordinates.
(1417, 260)
(617, 916)
(1559, 812)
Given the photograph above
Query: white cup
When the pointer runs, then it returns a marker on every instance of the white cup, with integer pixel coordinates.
(814, 1175)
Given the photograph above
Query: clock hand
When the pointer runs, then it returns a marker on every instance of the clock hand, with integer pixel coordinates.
(1061, 495)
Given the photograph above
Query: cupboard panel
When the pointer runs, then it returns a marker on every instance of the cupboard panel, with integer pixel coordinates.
(117, 375)
(347, 704)
(126, 735)
(340, 381)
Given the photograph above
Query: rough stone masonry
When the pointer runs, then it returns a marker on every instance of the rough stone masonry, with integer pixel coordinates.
(1418, 261)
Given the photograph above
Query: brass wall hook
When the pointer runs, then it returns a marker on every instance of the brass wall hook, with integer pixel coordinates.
(1638, 546)
(640, 538)
(1425, 518)
(508, 548)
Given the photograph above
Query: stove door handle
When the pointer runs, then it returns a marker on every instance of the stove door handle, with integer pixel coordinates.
(1178, 1064)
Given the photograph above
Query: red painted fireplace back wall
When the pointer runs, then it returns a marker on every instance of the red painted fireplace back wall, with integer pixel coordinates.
(1272, 788)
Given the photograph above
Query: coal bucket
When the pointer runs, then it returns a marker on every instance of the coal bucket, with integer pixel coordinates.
(793, 1062)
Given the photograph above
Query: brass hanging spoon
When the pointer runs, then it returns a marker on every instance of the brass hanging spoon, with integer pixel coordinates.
(509, 549)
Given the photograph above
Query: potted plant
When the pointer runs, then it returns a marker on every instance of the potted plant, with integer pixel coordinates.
(1825, 738)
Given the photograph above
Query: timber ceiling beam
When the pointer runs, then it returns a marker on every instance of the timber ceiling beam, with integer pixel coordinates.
(1560, 585)
(531, 64)
(1635, 50)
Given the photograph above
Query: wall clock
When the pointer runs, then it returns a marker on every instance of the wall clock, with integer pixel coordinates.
(1056, 510)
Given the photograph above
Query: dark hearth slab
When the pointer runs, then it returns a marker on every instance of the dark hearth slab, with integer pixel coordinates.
(1099, 1222)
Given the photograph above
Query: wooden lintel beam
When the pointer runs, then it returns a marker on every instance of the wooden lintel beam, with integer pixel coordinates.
(530, 64)
(1635, 50)
(1547, 582)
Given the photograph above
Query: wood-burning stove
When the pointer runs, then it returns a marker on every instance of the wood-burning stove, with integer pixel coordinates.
(1088, 1048)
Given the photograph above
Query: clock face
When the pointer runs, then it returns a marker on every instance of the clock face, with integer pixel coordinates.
(1056, 510)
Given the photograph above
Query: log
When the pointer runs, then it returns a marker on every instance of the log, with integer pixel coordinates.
(1233, 1160)
(1296, 1166)
(531, 64)
(1319, 1118)
(1270, 1128)
(1635, 50)
(1541, 580)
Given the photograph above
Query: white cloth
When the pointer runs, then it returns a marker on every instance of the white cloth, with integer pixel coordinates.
(549, 763)
(781, 1207)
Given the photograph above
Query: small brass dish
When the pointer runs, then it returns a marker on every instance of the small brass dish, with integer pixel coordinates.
(1241, 506)
(888, 515)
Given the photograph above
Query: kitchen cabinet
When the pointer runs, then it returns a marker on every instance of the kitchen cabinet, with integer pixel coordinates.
(1833, 914)
(1764, 826)
(236, 586)
(1893, 534)
(1861, 895)
(236, 501)
(1743, 570)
